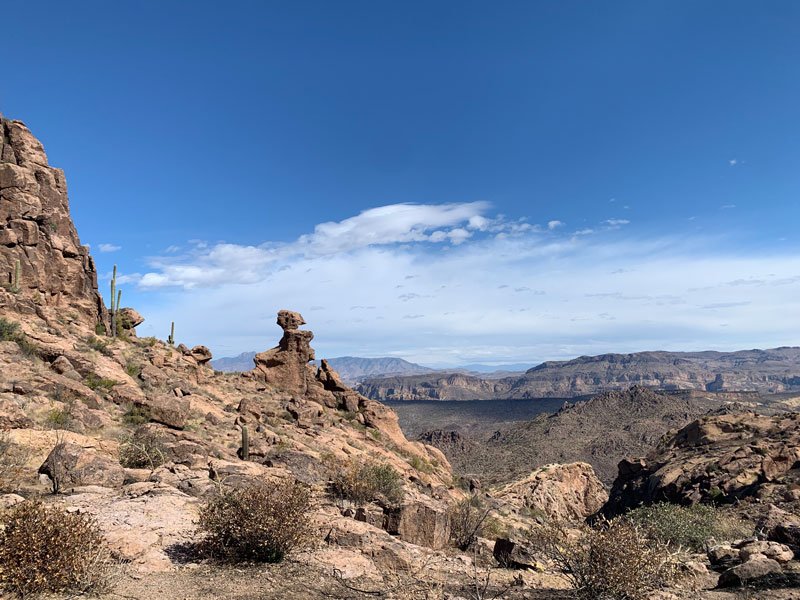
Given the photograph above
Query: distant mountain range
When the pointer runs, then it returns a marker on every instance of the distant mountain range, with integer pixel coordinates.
(764, 371)
(354, 369)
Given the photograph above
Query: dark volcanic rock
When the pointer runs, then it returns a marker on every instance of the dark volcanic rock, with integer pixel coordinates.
(721, 458)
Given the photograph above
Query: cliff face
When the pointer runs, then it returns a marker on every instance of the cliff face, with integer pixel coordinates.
(44, 269)
(765, 371)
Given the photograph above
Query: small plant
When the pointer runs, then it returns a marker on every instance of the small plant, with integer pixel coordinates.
(99, 328)
(93, 382)
(171, 338)
(10, 331)
(361, 482)
(101, 345)
(261, 522)
(421, 464)
(687, 526)
(44, 549)
(59, 418)
(136, 415)
(132, 369)
(467, 519)
(611, 561)
(142, 450)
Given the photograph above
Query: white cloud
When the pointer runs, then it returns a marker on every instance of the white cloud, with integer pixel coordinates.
(555, 224)
(616, 222)
(108, 247)
(727, 206)
(451, 288)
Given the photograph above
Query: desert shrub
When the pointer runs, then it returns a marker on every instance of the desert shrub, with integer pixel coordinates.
(136, 415)
(12, 463)
(132, 369)
(420, 464)
(467, 520)
(93, 382)
(142, 450)
(10, 332)
(99, 344)
(45, 549)
(261, 522)
(611, 561)
(688, 526)
(59, 418)
(362, 481)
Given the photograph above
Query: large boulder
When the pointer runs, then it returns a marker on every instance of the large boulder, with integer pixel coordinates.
(70, 465)
(561, 492)
(167, 409)
(422, 522)
(758, 570)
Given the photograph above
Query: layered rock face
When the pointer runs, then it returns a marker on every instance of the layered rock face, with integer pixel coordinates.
(722, 458)
(764, 371)
(43, 266)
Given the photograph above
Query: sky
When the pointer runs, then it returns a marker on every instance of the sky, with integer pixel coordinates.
(447, 182)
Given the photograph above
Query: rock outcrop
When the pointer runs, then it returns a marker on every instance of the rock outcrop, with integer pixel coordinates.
(561, 492)
(288, 368)
(44, 269)
(720, 458)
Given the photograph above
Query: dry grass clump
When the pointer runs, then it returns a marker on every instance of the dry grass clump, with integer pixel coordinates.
(12, 463)
(142, 450)
(44, 549)
(611, 561)
(261, 522)
(688, 526)
(363, 481)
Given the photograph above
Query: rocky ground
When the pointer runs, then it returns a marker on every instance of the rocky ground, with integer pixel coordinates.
(75, 403)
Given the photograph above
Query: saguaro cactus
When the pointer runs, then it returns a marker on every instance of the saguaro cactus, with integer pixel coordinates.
(15, 288)
(171, 338)
(113, 308)
(245, 444)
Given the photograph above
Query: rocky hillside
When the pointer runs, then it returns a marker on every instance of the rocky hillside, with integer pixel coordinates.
(723, 458)
(764, 371)
(600, 431)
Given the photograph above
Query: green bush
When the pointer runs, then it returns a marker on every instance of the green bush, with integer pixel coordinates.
(136, 415)
(688, 526)
(93, 382)
(262, 522)
(10, 332)
(45, 549)
(361, 481)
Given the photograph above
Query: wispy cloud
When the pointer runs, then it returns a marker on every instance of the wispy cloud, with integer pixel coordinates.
(453, 297)
(108, 247)
(555, 224)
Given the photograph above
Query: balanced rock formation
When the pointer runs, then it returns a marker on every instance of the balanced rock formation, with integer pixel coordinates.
(287, 367)
(719, 458)
(44, 269)
(561, 492)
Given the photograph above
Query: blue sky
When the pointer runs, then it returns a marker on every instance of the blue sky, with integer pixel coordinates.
(447, 182)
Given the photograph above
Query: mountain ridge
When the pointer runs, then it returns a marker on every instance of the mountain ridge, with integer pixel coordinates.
(768, 371)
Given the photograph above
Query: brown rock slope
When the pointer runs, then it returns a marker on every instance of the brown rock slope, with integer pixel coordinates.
(43, 266)
(727, 458)
(600, 431)
(765, 371)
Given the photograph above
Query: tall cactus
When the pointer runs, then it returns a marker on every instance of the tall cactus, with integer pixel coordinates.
(113, 308)
(17, 268)
(245, 444)
(171, 338)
